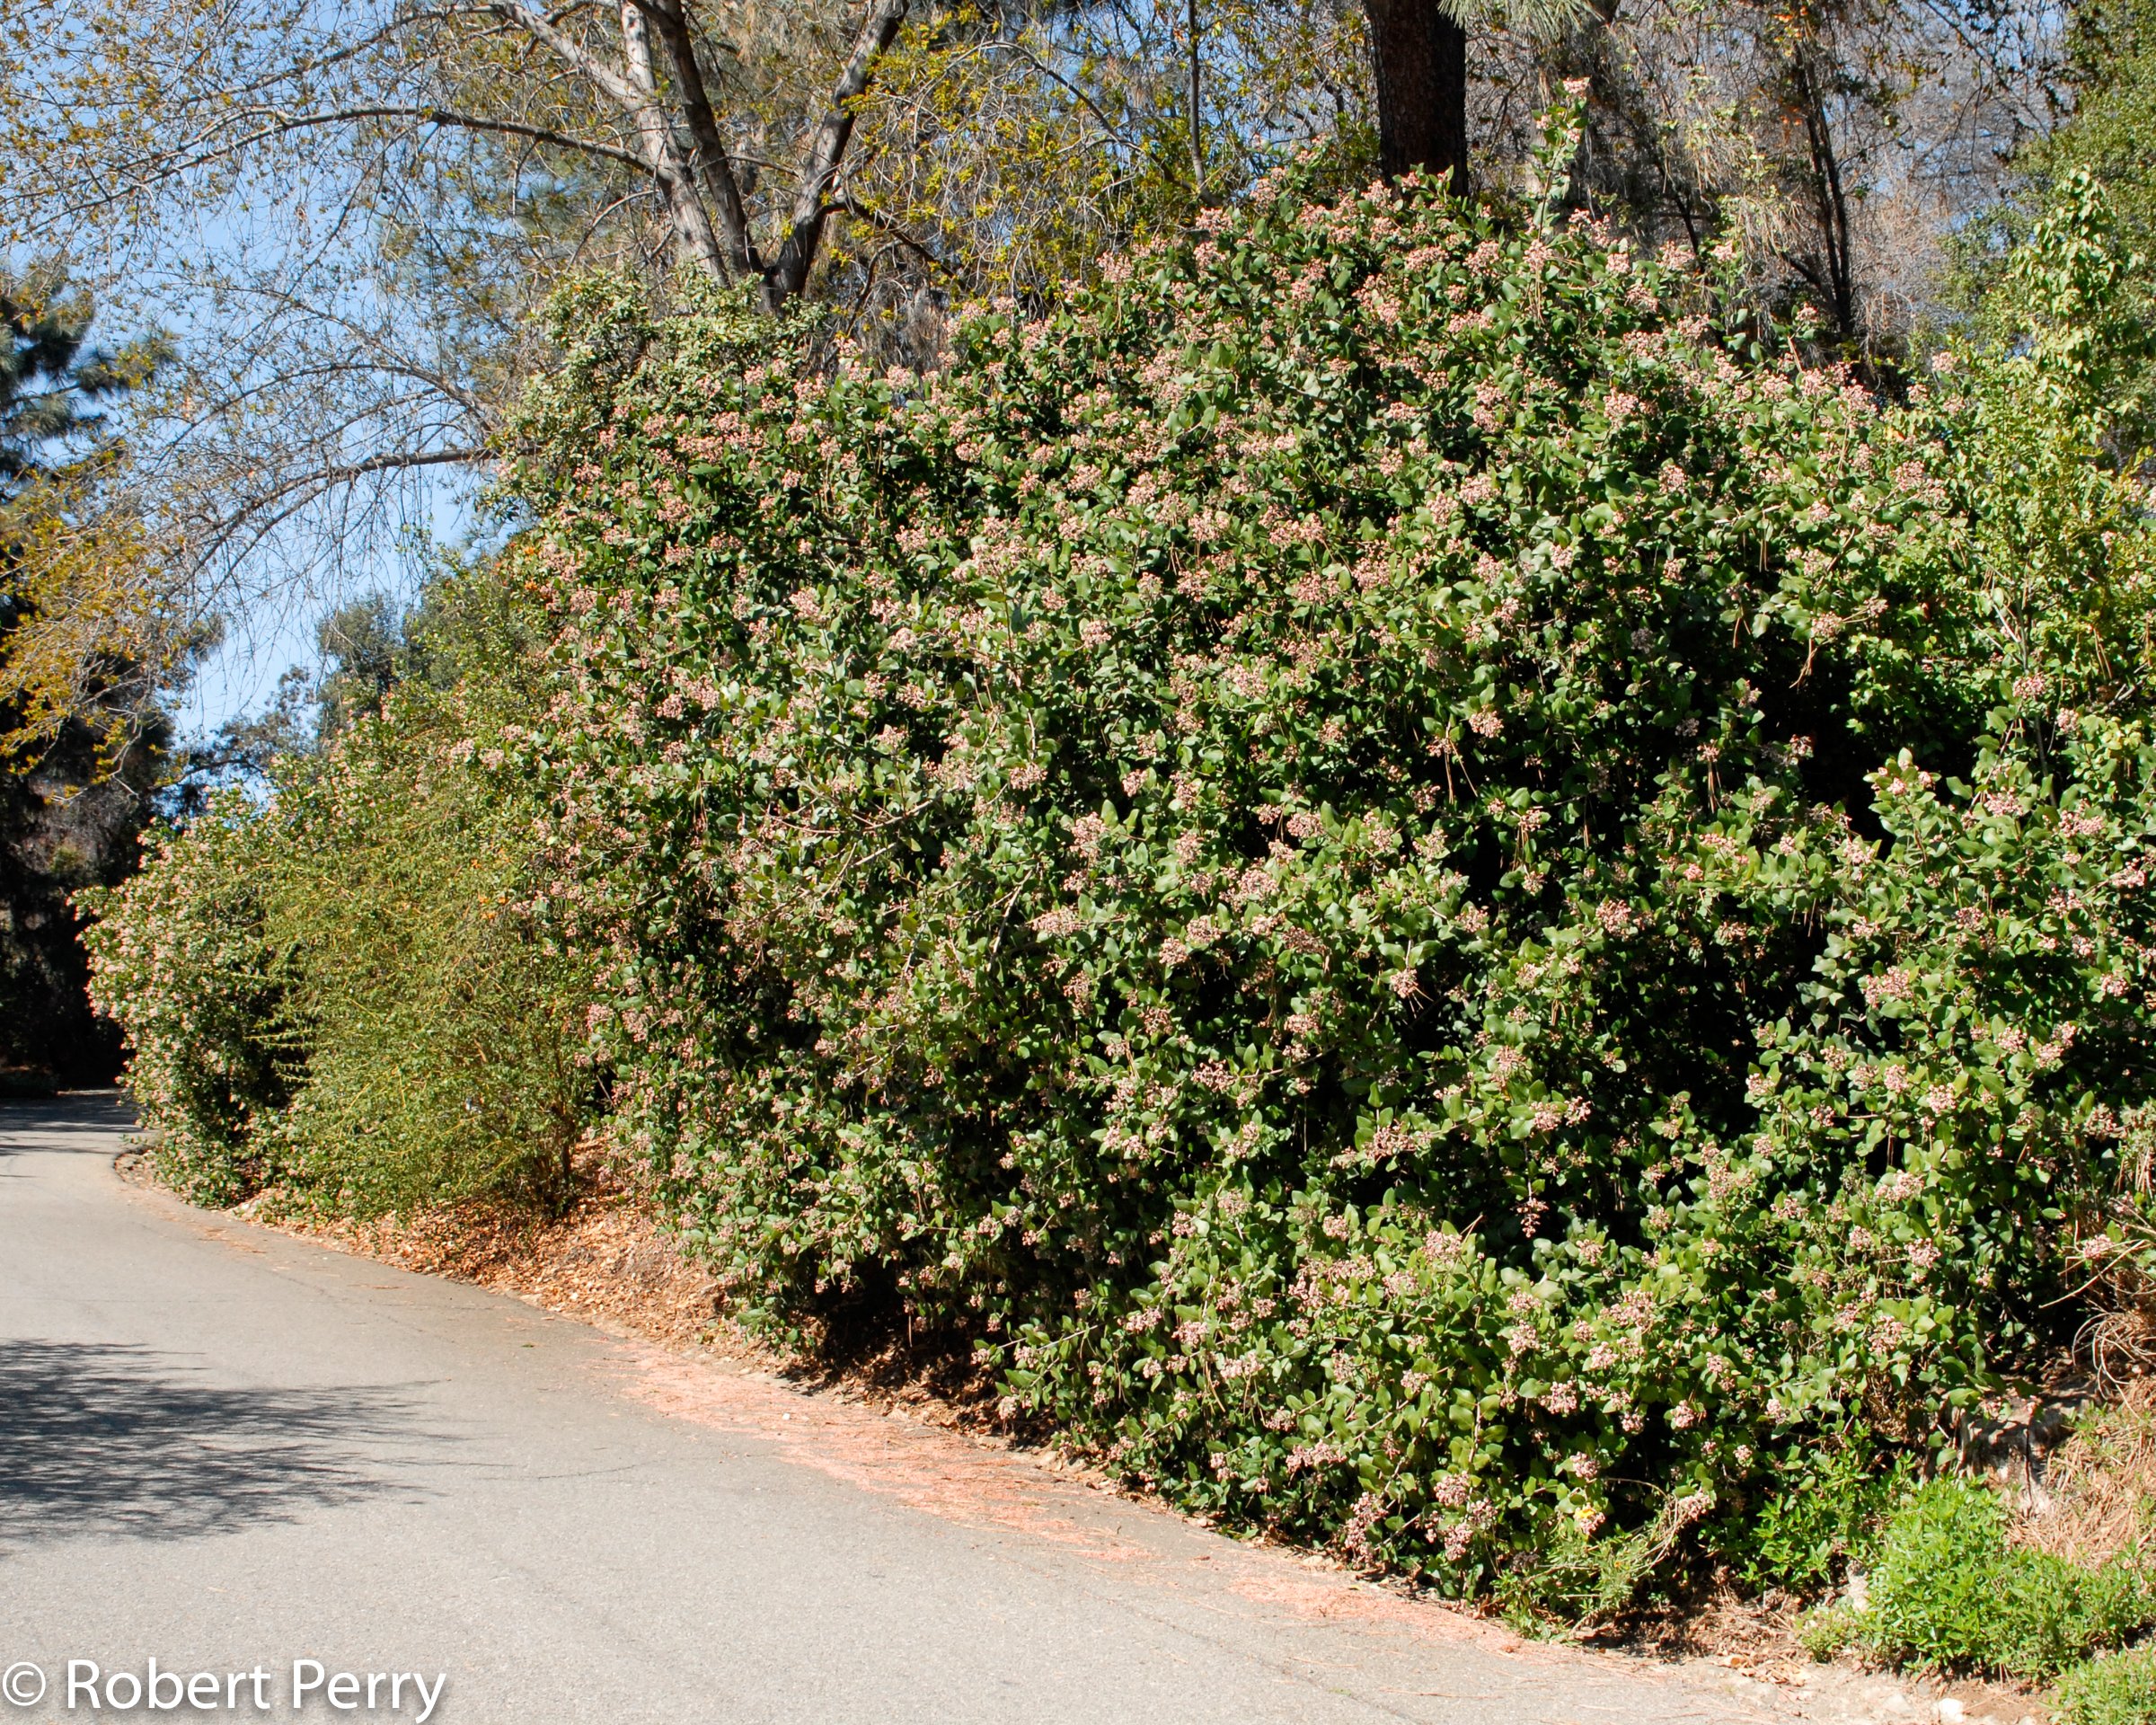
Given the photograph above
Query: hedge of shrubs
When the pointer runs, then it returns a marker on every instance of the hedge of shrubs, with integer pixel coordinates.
(333, 985)
(1443, 895)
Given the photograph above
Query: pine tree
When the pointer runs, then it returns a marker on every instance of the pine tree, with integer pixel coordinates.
(73, 806)
(1418, 51)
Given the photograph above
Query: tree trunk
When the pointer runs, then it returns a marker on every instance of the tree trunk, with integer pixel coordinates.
(714, 167)
(694, 243)
(1421, 56)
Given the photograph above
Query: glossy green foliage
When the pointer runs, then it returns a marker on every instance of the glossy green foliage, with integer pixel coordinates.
(1443, 898)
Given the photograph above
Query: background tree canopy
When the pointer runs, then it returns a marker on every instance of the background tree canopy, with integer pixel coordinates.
(75, 787)
(348, 212)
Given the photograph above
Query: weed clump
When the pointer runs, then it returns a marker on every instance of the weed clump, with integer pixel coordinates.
(2116, 1690)
(1948, 1591)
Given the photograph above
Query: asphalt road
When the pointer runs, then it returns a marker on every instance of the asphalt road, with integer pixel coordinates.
(232, 1452)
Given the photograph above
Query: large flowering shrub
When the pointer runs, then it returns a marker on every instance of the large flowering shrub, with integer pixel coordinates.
(180, 956)
(1446, 898)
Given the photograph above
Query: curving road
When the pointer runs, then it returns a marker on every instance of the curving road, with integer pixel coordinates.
(233, 1453)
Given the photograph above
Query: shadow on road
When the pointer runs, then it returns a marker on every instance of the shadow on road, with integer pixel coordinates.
(82, 1121)
(104, 1439)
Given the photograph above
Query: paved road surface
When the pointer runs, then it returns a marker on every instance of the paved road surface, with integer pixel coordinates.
(227, 1449)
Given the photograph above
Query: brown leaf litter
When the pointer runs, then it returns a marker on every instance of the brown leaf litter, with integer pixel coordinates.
(2097, 1490)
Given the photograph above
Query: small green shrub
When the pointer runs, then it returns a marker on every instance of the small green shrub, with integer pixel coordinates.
(2119, 1689)
(342, 987)
(1826, 1629)
(1804, 1534)
(1948, 1592)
